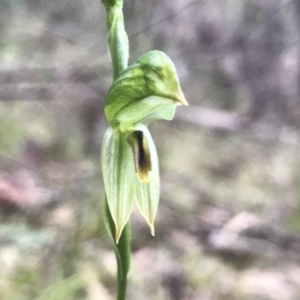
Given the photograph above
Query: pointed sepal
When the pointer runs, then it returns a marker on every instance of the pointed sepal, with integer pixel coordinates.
(118, 175)
(147, 194)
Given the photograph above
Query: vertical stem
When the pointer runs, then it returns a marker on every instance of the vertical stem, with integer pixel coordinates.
(124, 263)
(122, 251)
(119, 53)
(117, 40)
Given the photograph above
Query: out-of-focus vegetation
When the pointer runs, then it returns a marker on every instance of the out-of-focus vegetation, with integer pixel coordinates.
(229, 218)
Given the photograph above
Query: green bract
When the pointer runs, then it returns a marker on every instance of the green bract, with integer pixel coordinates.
(147, 90)
(112, 3)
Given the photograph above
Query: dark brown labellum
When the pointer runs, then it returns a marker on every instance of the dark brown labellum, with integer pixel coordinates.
(141, 155)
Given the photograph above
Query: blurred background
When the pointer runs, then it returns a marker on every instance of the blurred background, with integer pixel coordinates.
(229, 219)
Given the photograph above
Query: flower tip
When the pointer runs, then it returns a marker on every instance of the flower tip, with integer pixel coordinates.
(118, 235)
(152, 230)
(181, 98)
(143, 177)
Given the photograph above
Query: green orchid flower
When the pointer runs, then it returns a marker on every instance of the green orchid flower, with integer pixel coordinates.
(147, 90)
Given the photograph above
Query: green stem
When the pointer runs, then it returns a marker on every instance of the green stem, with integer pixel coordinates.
(124, 263)
(122, 251)
(117, 40)
(119, 53)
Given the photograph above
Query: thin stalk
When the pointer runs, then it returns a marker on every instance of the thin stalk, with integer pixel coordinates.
(122, 251)
(119, 53)
(117, 40)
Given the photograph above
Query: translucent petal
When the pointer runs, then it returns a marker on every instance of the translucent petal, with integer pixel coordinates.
(147, 194)
(145, 111)
(118, 176)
